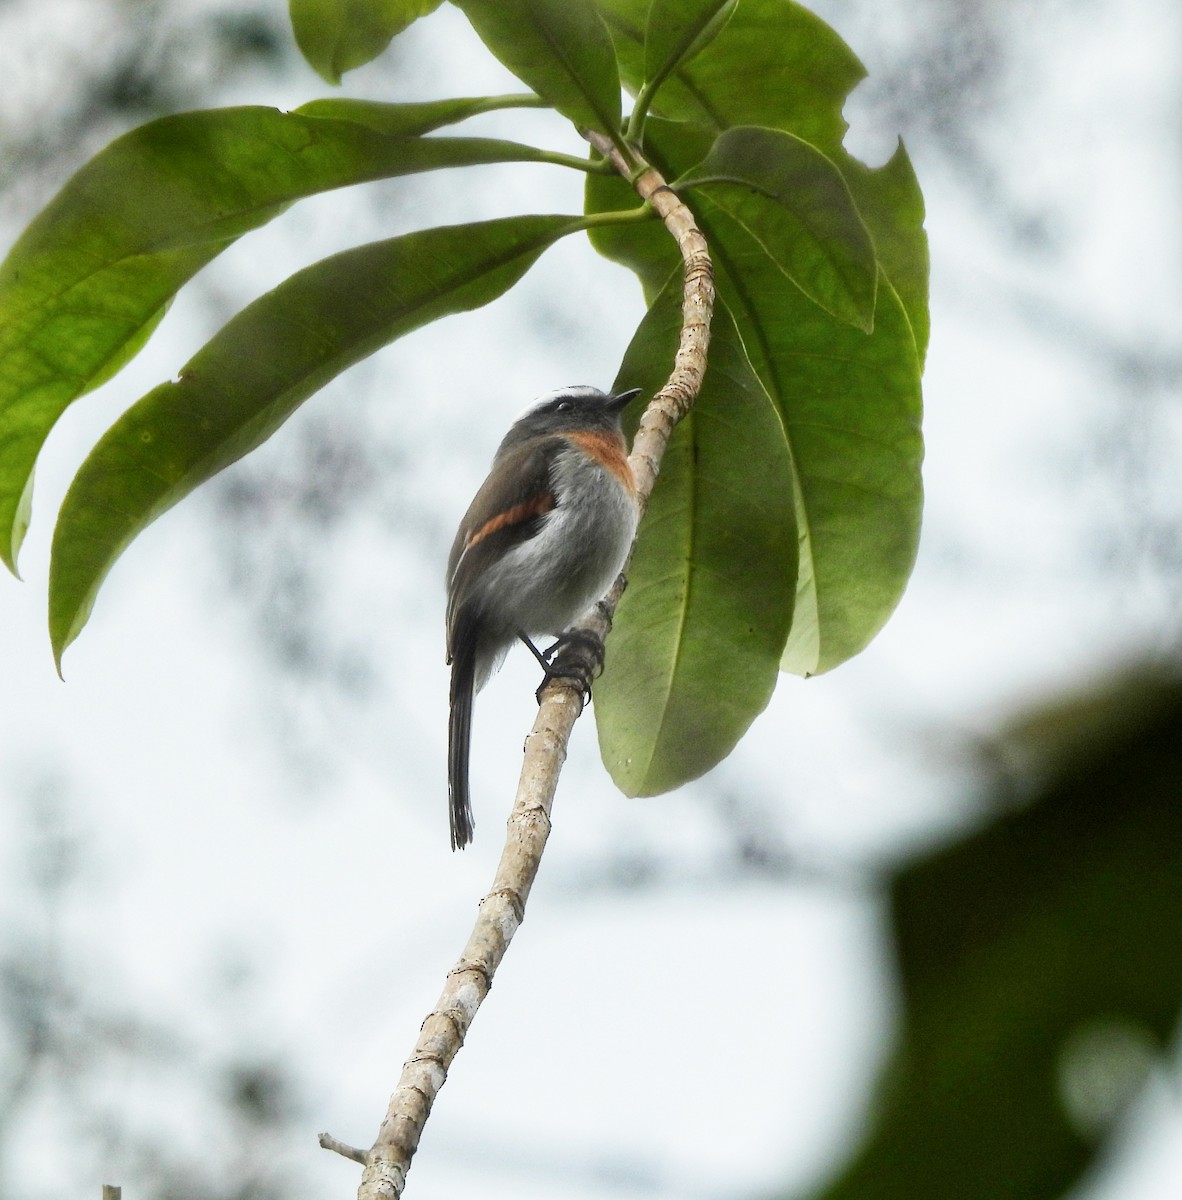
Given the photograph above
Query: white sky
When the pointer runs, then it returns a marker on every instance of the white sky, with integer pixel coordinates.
(703, 1036)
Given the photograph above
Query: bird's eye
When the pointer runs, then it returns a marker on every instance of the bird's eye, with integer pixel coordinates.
(563, 406)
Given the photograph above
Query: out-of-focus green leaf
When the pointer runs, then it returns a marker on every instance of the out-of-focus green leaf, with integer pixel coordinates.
(679, 29)
(1045, 740)
(1041, 968)
(796, 204)
(694, 655)
(560, 49)
(774, 64)
(251, 376)
(337, 35)
(84, 285)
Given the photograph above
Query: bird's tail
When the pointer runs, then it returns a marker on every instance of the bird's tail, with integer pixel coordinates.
(463, 689)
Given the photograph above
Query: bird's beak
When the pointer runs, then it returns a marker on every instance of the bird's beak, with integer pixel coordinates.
(621, 401)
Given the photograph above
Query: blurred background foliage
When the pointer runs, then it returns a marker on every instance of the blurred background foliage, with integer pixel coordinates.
(1034, 924)
(1040, 962)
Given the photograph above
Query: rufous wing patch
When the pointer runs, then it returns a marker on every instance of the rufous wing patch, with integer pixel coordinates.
(527, 510)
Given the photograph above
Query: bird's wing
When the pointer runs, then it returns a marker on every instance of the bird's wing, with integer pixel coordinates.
(508, 509)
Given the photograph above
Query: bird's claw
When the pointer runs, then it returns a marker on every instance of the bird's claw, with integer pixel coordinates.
(577, 655)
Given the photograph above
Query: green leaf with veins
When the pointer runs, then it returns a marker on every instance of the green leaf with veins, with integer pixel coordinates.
(794, 202)
(677, 30)
(88, 280)
(559, 49)
(250, 377)
(774, 63)
(695, 652)
(850, 403)
(806, 74)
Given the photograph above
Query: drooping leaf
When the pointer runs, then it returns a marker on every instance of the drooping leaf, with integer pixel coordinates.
(1041, 971)
(774, 64)
(337, 35)
(796, 204)
(560, 49)
(695, 652)
(679, 29)
(250, 377)
(85, 284)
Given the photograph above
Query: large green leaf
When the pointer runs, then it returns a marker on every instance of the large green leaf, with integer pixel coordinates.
(84, 285)
(805, 73)
(850, 403)
(694, 655)
(794, 201)
(240, 387)
(561, 49)
(1041, 969)
(337, 35)
(774, 64)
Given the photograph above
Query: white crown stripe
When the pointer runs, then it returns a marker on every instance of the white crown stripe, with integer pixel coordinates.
(578, 391)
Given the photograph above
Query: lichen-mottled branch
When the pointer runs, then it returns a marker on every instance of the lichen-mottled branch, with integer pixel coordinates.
(502, 910)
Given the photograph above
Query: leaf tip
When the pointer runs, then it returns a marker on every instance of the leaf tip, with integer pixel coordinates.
(10, 546)
(61, 643)
(67, 617)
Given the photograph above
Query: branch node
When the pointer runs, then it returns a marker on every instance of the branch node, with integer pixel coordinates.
(478, 968)
(513, 897)
(328, 1142)
(444, 1014)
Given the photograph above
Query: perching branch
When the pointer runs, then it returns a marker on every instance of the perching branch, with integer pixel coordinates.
(502, 910)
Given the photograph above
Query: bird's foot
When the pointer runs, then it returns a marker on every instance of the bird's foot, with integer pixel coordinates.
(577, 655)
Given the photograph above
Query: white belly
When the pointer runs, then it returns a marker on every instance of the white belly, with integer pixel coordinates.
(575, 556)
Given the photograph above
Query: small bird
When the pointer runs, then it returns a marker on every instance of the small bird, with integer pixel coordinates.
(544, 538)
